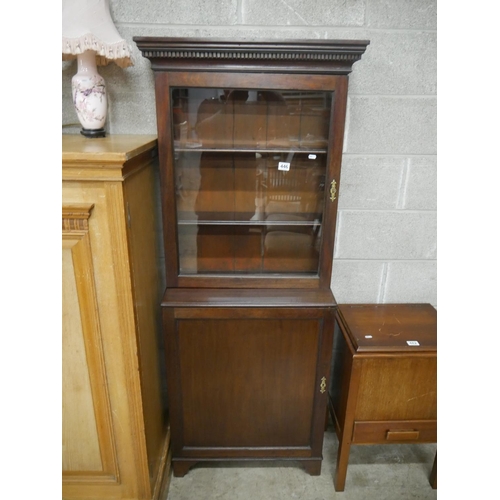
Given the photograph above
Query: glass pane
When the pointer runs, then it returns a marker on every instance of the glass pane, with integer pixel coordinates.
(250, 170)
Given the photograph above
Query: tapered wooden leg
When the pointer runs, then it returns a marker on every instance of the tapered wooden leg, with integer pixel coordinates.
(181, 467)
(342, 462)
(433, 478)
(312, 467)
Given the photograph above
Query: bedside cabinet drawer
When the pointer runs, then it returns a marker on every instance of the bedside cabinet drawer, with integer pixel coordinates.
(395, 431)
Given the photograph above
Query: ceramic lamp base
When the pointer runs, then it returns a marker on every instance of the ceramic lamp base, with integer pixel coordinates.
(89, 96)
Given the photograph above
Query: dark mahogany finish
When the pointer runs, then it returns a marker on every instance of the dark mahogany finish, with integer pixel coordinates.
(303, 66)
(247, 379)
(276, 56)
(250, 141)
(384, 367)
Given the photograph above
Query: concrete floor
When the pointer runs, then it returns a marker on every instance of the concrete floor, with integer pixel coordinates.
(387, 472)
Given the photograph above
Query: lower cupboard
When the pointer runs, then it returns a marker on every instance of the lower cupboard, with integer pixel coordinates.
(247, 374)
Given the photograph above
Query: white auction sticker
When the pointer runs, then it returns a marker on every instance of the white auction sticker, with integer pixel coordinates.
(412, 342)
(312, 157)
(283, 165)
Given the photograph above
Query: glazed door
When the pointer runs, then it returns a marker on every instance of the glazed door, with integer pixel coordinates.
(253, 181)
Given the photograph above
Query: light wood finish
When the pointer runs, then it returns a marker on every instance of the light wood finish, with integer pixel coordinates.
(86, 412)
(115, 433)
(384, 380)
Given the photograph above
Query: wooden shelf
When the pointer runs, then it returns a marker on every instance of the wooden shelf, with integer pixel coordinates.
(246, 223)
(281, 150)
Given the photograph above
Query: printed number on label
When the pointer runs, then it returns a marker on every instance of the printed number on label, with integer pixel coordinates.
(283, 165)
(412, 342)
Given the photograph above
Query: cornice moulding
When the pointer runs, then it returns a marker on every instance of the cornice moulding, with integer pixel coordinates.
(316, 56)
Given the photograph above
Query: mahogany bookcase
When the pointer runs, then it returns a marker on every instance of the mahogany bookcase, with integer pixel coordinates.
(250, 138)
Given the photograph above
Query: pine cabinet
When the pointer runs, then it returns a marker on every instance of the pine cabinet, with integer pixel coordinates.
(115, 436)
(250, 143)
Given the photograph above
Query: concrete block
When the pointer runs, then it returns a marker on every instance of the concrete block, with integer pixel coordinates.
(132, 113)
(421, 187)
(70, 122)
(386, 235)
(308, 12)
(411, 282)
(391, 125)
(174, 12)
(233, 32)
(397, 63)
(370, 182)
(402, 14)
(356, 281)
(69, 69)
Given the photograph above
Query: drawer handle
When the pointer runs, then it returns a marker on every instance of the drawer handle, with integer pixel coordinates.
(402, 435)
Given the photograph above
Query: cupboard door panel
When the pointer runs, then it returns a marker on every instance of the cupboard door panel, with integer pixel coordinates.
(248, 382)
(78, 417)
(86, 413)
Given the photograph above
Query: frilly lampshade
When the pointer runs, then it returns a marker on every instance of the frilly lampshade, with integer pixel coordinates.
(89, 34)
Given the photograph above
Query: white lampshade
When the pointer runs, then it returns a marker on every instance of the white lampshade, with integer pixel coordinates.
(87, 25)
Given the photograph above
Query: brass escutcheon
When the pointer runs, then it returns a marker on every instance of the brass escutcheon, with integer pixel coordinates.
(333, 190)
(322, 386)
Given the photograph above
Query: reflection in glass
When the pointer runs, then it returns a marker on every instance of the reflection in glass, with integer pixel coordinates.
(250, 171)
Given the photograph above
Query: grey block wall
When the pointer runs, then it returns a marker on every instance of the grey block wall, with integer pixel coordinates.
(386, 234)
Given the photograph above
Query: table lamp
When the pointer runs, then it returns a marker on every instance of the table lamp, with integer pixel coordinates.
(90, 36)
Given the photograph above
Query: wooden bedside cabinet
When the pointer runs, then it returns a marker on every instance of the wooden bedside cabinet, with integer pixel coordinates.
(384, 380)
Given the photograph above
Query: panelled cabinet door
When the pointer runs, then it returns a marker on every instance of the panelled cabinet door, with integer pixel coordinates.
(250, 376)
(86, 413)
(246, 383)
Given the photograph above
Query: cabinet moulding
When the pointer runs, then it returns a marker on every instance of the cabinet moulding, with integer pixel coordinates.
(111, 171)
(323, 56)
(75, 218)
